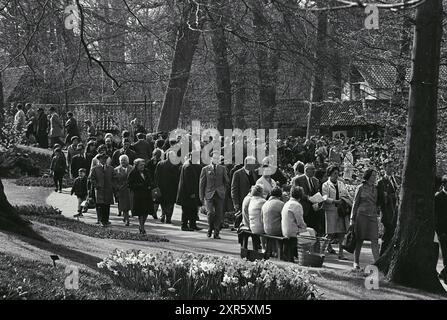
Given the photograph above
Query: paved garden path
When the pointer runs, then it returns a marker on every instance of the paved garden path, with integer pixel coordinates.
(181, 240)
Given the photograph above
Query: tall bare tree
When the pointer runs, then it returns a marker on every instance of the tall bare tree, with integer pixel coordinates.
(411, 259)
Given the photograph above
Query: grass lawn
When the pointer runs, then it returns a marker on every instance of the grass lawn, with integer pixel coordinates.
(22, 279)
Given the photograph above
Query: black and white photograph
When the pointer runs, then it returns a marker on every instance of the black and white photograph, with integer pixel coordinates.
(211, 157)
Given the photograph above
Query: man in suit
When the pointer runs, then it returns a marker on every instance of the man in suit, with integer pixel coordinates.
(167, 175)
(387, 194)
(71, 127)
(441, 224)
(102, 177)
(42, 129)
(313, 215)
(188, 194)
(242, 181)
(213, 184)
(142, 148)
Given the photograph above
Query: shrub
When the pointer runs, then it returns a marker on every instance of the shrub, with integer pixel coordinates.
(32, 210)
(195, 277)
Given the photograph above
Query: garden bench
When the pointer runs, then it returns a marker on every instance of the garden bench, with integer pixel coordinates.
(284, 246)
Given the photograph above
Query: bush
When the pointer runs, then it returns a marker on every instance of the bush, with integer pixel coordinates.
(45, 181)
(53, 217)
(201, 277)
(20, 161)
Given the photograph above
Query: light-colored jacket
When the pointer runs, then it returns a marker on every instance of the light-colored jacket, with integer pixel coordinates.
(255, 215)
(328, 189)
(56, 126)
(292, 222)
(245, 218)
(271, 216)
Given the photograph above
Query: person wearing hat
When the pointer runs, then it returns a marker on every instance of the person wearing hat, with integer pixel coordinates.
(72, 149)
(42, 129)
(80, 190)
(313, 217)
(124, 150)
(58, 167)
(78, 161)
(364, 216)
(102, 177)
(56, 128)
(71, 127)
(441, 224)
(387, 193)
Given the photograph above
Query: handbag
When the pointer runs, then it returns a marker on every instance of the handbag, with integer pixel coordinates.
(156, 193)
(350, 240)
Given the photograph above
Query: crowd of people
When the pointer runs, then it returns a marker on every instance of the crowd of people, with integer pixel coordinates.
(356, 181)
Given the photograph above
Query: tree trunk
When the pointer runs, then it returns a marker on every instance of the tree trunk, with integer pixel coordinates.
(411, 255)
(240, 84)
(2, 102)
(401, 69)
(267, 59)
(317, 94)
(223, 81)
(186, 44)
(10, 221)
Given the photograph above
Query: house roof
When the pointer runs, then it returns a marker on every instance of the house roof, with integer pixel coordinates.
(383, 76)
(353, 113)
(11, 79)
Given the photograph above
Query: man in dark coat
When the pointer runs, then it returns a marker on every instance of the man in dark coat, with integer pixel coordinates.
(101, 178)
(42, 129)
(441, 224)
(188, 194)
(124, 150)
(167, 176)
(78, 161)
(142, 148)
(387, 194)
(313, 216)
(242, 181)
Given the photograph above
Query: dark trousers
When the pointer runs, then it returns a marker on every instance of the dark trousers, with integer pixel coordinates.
(443, 245)
(189, 214)
(215, 208)
(167, 210)
(103, 212)
(58, 177)
(316, 221)
(42, 140)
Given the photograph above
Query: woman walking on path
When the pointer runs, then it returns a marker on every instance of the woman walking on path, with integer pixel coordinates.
(337, 217)
(140, 185)
(364, 216)
(122, 191)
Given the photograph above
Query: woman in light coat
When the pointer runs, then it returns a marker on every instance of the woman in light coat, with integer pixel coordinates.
(336, 225)
(254, 210)
(266, 181)
(122, 190)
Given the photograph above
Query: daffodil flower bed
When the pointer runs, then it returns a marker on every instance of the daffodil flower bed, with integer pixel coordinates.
(193, 276)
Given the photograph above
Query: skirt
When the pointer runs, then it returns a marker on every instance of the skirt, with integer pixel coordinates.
(366, 227)
(334, 223)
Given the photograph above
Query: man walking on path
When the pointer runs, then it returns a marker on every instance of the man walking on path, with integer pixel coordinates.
(102, 178)
(71, 127)
(188, 194)
(213, 184)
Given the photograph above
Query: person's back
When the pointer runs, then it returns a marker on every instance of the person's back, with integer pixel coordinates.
(292, 221)
(271, 216)
(255, 215)
(245, 218)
